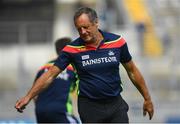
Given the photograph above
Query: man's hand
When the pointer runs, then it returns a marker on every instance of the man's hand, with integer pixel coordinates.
(148, 107)
(21, 104)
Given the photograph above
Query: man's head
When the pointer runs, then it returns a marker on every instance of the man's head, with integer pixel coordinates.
(61, 43)
(86, 22)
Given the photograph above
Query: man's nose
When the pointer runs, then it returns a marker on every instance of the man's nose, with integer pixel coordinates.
(83, 31)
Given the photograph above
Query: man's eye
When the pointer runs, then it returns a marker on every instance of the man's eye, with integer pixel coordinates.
(86, 27)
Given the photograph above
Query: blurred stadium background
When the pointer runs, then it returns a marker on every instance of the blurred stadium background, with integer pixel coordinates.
(150, 27)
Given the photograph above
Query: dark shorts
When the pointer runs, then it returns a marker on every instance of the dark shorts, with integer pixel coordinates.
(111, 110)
(46, 117)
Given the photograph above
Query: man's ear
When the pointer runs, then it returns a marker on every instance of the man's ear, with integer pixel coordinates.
(97, 23)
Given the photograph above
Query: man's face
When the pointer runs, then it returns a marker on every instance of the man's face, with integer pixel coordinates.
(87, 30)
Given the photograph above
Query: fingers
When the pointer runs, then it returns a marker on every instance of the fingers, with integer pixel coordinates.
(148, 108)
(21, 109)
(20, 106)
(150, 113)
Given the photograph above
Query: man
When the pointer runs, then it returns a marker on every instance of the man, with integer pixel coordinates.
(54, 104)
(96, 55)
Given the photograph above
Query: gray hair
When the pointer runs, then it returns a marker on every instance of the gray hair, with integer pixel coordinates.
(91, 13)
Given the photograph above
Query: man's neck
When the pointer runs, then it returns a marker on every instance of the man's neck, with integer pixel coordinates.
(98, 40)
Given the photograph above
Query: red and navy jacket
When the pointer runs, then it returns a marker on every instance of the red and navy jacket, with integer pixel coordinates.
(97, 68)
(56, 99)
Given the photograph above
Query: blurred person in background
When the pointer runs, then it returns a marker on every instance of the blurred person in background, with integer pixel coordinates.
(96, 56)
(54, 104)
(141, 29)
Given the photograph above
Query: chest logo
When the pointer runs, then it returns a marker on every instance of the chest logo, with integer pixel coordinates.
(111, 53)
(84, 57)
